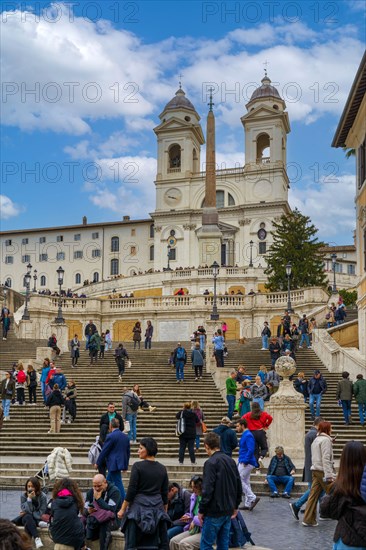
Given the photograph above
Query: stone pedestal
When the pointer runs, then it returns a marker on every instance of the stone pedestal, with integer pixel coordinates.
(287, 408)
(26, 330)
(62, 335)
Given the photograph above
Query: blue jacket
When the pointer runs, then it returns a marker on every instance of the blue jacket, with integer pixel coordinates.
(116, 451)
(44, 373)
(246, 449)
(218, 342)
(59, 379)
(363, 485)
(228, 439)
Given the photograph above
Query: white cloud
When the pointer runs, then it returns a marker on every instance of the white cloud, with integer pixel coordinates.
(8, 209)
(330, 206)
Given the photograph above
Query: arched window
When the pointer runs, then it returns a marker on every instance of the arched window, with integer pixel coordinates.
(78, 279)
(174, 157)
(8, 282)
(43, 280)
(152, 233)
(263, 149)
(115, 244)
(95, 277)
(223, 199)
(231, 200)
(115, 266)
(152, 253)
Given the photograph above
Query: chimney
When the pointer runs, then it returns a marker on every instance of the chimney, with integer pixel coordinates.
(126, 218)
(85, 220)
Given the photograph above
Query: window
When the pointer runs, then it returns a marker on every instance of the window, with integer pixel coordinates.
(26, 259)
(262, 249)
(114, 266)
(77, 237)
(174, 158)
(96, 277)
(338, 267)
(263, 149)
(78, 254)
(8, 242)
(133, 251)
(8, 282)
(43, 257)
(60, 256)
(173, 253)
(231, 201)
(42, 280)
(115, 244)
(351, 270)
(42, 239)
(133, 232)
(96, 253)
(152, 233)
(77, 279)
(95, 235)
(24, 241)
(220, 199)
(59, 238)
(9, 259)
(361, 160)
(151, 253)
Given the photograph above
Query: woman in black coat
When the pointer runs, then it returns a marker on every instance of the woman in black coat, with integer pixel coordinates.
(344, 502)
(66, 526)
(188, 437)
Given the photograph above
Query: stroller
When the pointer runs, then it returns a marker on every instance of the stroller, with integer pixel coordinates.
(43, 476)
(57, 465)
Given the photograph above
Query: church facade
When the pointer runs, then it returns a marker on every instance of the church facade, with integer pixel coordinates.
(248, 199)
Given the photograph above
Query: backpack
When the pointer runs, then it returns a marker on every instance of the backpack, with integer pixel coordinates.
(180, 354)
(21, 377)
(327, 316)
(134, 403)
(239, 533)
(94, 451)
(180, 426)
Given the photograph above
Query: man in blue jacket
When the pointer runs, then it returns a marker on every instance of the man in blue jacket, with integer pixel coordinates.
(246, 463)
(58, 378)
(116, 453)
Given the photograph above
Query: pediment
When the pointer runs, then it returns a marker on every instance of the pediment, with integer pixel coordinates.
(227, 228)
(262, 110)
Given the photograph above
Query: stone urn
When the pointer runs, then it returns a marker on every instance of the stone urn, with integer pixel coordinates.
(285, 366)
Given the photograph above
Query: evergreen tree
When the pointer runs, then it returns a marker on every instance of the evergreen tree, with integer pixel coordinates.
(295, 241)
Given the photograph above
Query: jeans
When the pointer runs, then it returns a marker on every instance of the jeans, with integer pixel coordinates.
(148, 343)
(265, 341)
(304, 498)
(288, 481)
(346, 407)
(30, 524)
(259, 400)
(5, 403)
(132, 420)
(244, 472)
(183, 443)
(179, 370)
(215, 530)
(20, 395)
(231, 402)
(202, 342)
(43, 389)
(306, 338)
(116, 478)
(87, 338)
(136, 343)
(318, 398)
(174, 531)
(197, 442)
(362, 413)
(339, 545)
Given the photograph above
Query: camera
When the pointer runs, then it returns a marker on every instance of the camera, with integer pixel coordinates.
(30, 491)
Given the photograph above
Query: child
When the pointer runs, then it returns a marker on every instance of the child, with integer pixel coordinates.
(245, 398)
(108, 340)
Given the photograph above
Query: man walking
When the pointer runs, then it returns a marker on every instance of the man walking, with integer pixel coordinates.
(266, 334)
(130, 406)
(317, 386)
(120, 356)
(231, 393)
(359, 391)
(179, 360)
(116, 453)
(304, 330)
(247, 462)
(89, 331)
(228, 438)
(221, 495)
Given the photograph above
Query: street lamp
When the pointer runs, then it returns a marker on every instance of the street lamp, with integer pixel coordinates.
(35, 281)
(251, 254)
(334, 260)
(27, 280)
(168, 266)
(215, 271)
(60, 272)
(288, 274)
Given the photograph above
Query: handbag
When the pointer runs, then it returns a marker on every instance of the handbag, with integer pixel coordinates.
(128, 363)
(180, 426)
(126, 427)
(102, 515)
(9, 392)
(204, 427)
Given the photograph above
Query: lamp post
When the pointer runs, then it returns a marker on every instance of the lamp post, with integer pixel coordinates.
(27, 280)
(288, 273)
(59, 319)
(334, 260)
(35, 281)
(251, 254)
(215, 271)
(168, 266)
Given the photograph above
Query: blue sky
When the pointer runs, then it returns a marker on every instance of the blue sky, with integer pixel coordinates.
(103, 71)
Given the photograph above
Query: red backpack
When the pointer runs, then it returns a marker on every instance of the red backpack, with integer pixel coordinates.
(21, 377)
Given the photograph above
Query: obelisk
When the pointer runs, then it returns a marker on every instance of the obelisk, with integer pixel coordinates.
(209, 235)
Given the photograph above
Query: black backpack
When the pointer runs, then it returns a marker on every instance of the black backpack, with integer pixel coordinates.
(134, 403)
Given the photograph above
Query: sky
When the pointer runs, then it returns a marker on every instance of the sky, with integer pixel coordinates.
(83, 84)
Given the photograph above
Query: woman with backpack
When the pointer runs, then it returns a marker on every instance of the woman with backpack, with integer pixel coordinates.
(67, 506)
(258, 423)
(32, 385)
(199, 427)
(198, 359)
(94, 347)
(188, 435)
(144, 405)
(20, 381)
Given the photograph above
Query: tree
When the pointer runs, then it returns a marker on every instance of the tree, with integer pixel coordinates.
(295, 241)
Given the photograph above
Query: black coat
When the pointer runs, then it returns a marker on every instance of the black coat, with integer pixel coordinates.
(191, 419)
(351, 515)
(55, 398)
(309, 438)
(66, 527)
(104, 426)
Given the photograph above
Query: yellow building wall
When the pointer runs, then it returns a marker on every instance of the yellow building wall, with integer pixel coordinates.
(147, 292)
(75, 327)
(233, 328)
(262, 287)
(122, 330)
(236, 288)
(346, 337)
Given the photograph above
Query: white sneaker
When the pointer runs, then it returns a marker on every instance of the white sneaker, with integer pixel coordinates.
(38, 542)
(6, 417)
(43, 524)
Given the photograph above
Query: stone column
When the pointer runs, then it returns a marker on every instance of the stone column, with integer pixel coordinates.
(288, 410)
(62, 335)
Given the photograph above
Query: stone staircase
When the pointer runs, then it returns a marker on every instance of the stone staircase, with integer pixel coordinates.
(25, 444)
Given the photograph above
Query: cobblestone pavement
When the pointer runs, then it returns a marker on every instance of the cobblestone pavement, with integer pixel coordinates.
(271, 524)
